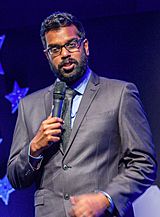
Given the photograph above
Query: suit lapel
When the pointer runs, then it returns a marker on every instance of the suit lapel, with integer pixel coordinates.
(88, 96)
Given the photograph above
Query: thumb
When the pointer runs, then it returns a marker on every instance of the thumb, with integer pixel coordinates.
(74, 200)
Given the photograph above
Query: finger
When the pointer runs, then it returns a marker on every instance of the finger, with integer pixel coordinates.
(46, 128)
(54, 120)
(52, 126)
(78, 212)
(51, 120)
(53, 135)
(79, 209)
(71, 213)
(74, 199)
(53, 132)
(47, 143)
(54, 139)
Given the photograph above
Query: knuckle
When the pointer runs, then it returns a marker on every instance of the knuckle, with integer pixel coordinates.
(49, 137)
(56, 139)
(57, 125)
(46, 133)
(58, 131)
(43, 126)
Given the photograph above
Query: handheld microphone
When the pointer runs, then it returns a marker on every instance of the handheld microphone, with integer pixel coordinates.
(58, 97)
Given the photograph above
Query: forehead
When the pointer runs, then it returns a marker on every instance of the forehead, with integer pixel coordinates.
(61, 35)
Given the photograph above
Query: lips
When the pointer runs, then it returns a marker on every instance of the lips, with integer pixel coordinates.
(68, 65)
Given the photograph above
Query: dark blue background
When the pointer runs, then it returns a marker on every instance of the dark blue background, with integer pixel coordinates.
(124, 41)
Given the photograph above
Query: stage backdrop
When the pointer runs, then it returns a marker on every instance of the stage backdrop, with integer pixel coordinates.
(124, 46)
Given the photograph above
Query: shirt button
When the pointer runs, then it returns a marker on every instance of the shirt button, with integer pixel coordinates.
(66, 196)
(65, 167)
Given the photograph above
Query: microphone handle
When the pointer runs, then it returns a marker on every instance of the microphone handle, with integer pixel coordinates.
(57, 109)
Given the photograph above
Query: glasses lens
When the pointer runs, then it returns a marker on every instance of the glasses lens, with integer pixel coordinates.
(54, 50)
(73, 45)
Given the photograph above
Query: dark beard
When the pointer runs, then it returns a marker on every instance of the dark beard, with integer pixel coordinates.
(78, 71)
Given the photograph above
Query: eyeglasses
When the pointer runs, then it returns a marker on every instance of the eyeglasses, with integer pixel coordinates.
(71, 46)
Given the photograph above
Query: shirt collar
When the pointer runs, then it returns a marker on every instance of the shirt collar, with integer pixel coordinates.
(81, 84)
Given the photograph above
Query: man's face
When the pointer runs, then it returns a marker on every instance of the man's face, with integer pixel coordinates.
(67, 66)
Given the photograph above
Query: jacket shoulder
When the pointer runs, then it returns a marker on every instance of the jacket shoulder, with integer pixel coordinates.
(117, 84)
(38, 94)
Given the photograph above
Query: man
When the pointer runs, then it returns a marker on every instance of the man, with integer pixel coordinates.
(109, 159)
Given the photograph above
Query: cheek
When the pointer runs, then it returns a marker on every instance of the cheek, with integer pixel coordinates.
(77, 56)
(54, 62)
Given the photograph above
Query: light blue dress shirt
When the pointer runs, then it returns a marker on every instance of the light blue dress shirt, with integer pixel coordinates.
(80, 87)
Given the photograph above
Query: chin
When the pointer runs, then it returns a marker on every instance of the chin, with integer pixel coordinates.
(69, 74)
(69, 78)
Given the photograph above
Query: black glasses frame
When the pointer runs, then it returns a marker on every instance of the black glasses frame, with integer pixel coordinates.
(66, 45)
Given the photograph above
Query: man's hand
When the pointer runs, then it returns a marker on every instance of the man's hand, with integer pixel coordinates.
(89, 205)
(49, 131)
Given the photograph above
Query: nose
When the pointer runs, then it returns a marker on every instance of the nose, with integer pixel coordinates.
(65, 53)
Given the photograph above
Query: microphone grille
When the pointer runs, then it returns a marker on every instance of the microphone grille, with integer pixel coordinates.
(59, 90)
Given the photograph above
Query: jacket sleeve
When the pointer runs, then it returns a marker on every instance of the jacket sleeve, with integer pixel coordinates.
(137, 164)
(19, 171)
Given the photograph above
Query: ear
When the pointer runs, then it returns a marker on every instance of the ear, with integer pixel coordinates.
(86, 46)
(46, 54)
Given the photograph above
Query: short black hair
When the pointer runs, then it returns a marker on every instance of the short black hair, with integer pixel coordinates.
(58, 20)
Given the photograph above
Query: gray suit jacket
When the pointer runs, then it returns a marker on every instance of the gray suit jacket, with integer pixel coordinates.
(110, 149)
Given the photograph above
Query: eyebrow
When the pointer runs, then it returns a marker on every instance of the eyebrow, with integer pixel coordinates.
(54, 45)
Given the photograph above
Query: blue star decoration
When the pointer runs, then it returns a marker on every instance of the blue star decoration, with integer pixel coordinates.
(1, 43)
(15, 96)
(5, 189)
(1, 70)
(1, 140)
(2, 37)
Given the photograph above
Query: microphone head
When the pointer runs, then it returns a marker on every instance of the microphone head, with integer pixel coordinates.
(59, 90)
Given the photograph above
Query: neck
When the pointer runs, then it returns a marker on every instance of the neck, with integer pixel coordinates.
(80, 80)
